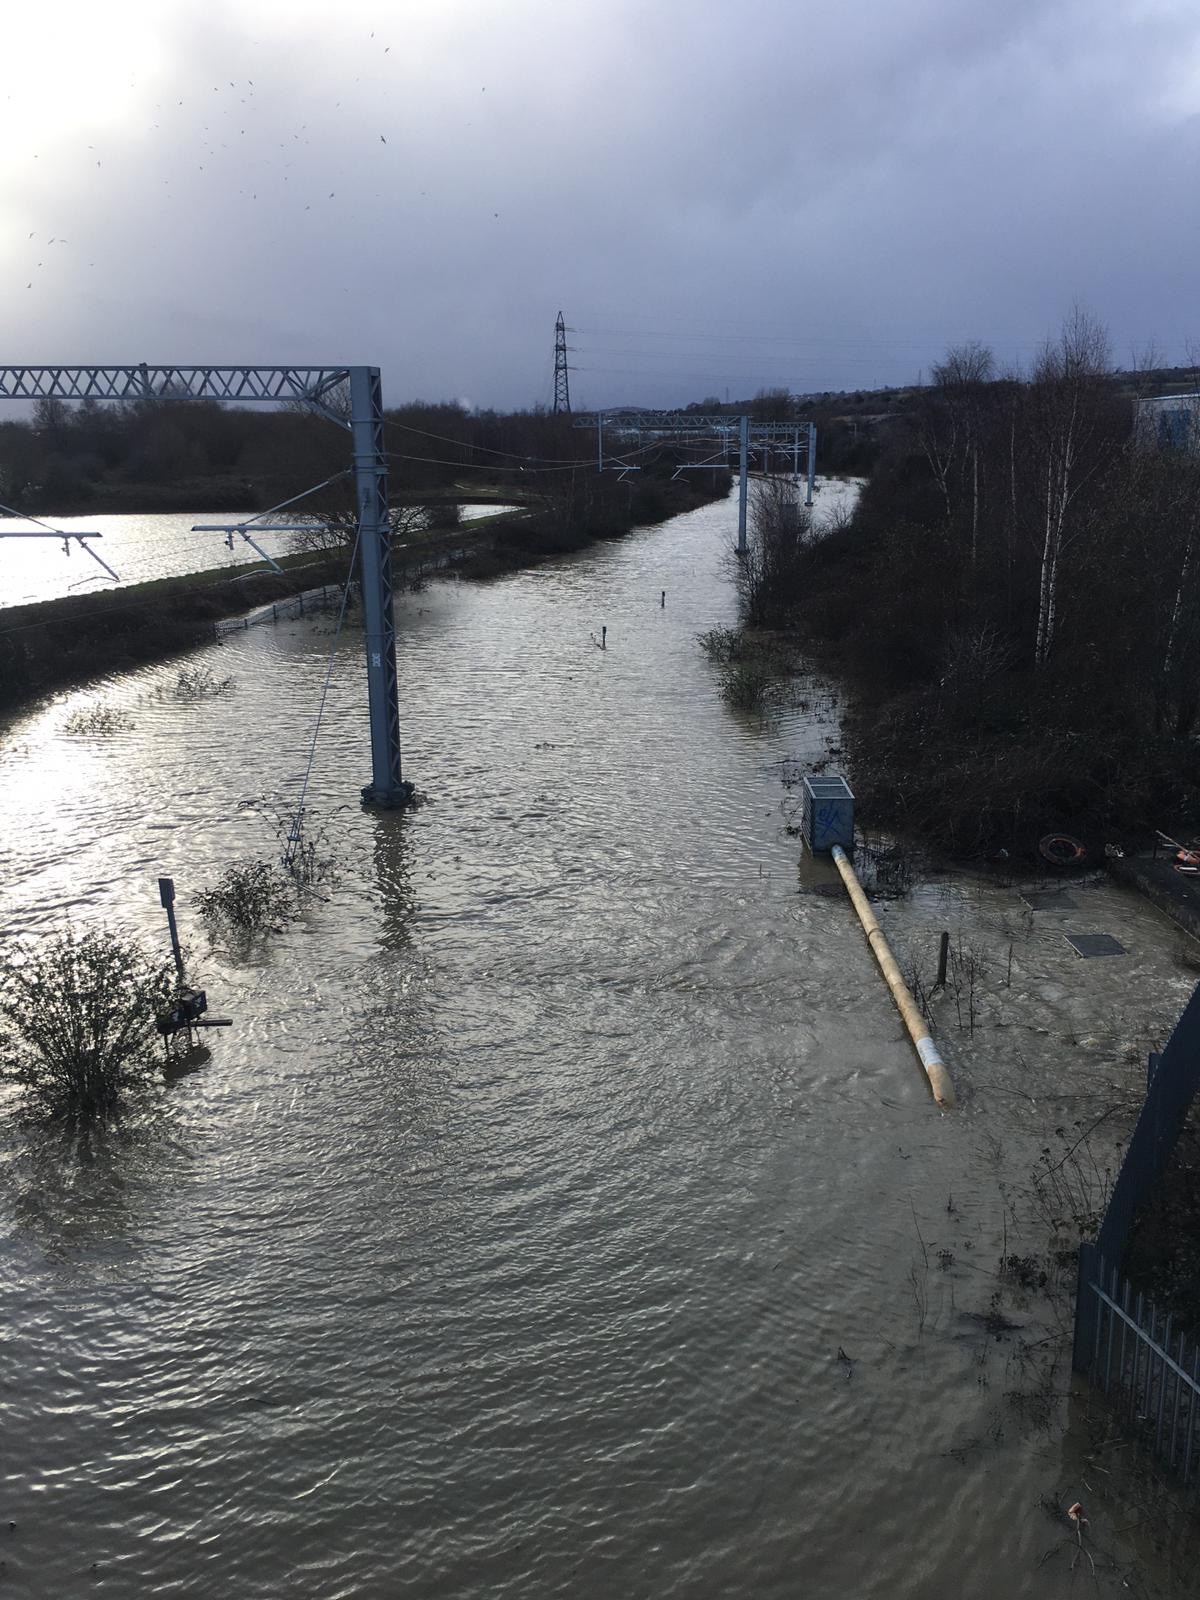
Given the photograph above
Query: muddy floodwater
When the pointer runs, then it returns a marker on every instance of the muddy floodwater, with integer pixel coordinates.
(565, 1212)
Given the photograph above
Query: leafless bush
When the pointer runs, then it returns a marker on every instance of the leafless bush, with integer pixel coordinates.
(966, 972)
(920, 983)
(753, 665)
(200, 683)
(98, 719)
(770, 575)
(1071, 1190)
(973, 658)
(77, 1022)
(253, 897)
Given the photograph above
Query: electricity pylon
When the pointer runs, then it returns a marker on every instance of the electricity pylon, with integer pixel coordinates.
(562, 387)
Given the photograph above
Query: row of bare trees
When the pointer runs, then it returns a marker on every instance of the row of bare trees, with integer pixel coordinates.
(1051, 534)
(1020, 455)
(66, 456)
(1021, 576)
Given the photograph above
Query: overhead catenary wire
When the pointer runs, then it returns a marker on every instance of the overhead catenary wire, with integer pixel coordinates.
(464, 444)
(522, 462)
(535, 471)
(295, 836)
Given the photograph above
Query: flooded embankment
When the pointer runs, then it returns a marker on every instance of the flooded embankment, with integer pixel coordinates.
(57, 630)
(566, 1212)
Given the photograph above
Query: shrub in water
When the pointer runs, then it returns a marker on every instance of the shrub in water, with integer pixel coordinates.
(99, 718)
(248, 899)
(77, 1022)
(722, 645)
(200, 683)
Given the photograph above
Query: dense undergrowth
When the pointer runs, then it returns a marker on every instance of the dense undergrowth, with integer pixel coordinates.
(586, 507)
(53, 643)
(1015, 608)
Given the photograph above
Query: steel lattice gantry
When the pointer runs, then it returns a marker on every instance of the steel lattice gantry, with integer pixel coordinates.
(314, 386)
(795, 438)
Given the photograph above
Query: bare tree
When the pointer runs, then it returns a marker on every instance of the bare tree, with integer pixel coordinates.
(962, 378)
(770, 575)
(335, 529)
(772, 405)
(1070, 445)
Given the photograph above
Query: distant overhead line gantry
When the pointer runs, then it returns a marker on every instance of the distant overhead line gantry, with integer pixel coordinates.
(797, 440)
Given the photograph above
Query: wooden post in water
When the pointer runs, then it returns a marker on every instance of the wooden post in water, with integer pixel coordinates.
(943, 957)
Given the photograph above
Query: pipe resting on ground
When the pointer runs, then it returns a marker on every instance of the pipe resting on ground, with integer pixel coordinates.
(935, 1067)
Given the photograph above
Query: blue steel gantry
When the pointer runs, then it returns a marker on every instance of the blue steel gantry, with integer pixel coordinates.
(315, 387)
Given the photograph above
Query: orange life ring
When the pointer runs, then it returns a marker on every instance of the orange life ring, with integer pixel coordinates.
(1061, 850)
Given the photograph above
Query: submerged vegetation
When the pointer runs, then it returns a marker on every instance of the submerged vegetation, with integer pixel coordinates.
(754, 667)
(257, 897)
(200, 683)
(98, 719)
(77, 1023)
(247, 898)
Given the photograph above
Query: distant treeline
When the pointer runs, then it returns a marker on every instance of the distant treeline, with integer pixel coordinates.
(1016, 603)
(161, 454)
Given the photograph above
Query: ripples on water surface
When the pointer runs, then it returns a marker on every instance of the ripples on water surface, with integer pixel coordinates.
(506, 1245)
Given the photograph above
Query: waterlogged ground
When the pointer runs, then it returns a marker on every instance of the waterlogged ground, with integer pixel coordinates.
(565, 1213)
(137, 548)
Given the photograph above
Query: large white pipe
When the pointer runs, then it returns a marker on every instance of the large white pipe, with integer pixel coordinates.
(935, 1067)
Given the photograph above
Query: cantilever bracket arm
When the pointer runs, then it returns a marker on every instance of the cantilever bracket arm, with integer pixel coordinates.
(43, 530)
(230, 528)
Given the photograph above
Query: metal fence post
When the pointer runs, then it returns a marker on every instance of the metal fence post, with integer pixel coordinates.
(1091, 1271)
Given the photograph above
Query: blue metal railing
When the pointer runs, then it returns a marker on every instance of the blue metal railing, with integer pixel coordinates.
(1154, 1371)
(1149, 1369)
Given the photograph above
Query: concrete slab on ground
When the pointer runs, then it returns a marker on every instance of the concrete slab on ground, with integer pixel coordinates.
(1176, 893)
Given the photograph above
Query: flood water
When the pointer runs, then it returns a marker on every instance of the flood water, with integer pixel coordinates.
(565, 1212)
(138, 548)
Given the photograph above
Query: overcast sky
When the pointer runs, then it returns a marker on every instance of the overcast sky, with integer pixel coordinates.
(718, 196)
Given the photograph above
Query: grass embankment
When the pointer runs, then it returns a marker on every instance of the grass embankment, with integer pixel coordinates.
(597, 511)
(53, 643)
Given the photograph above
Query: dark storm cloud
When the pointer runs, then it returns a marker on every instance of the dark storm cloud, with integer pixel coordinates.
(809, 195)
